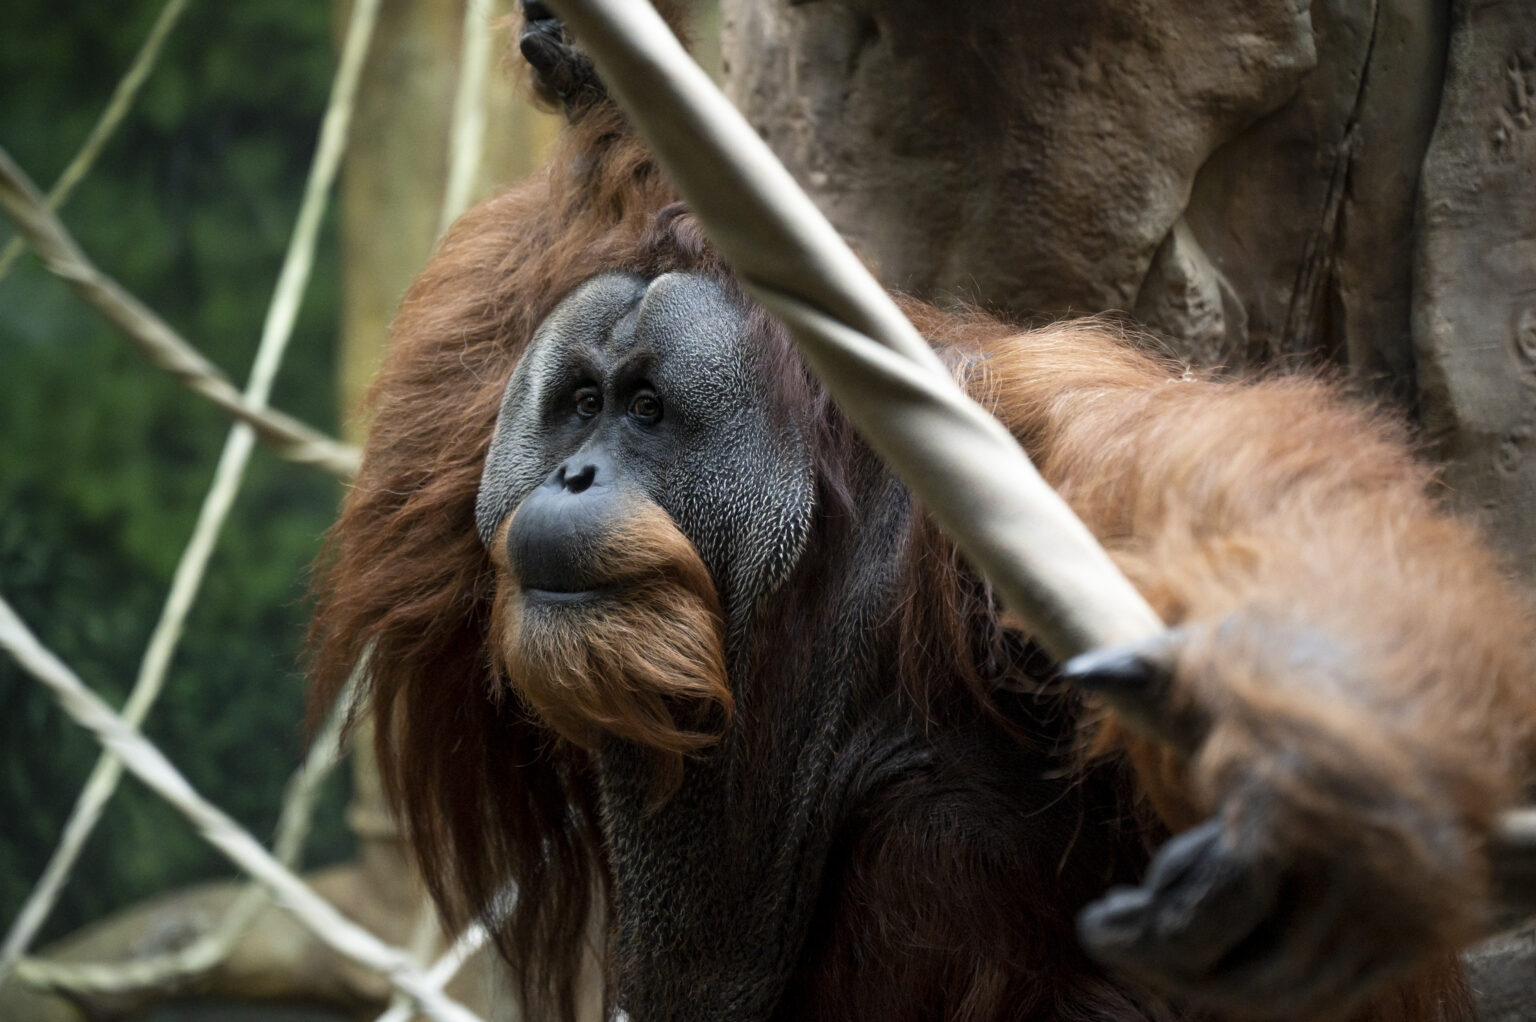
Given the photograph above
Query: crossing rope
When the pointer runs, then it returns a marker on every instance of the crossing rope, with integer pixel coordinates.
(124, 746)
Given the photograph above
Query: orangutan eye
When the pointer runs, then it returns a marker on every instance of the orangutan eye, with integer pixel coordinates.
(588, 402)
(645, 407)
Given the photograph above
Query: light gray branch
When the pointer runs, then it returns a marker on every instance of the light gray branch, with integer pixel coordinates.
(155, 338)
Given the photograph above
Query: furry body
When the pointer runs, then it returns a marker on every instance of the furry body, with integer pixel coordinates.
(886, 807)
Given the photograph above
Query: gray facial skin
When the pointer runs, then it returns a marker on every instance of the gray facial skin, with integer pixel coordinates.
(731, 470)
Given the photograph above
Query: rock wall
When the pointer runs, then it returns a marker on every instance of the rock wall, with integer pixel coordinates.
(1269, 182)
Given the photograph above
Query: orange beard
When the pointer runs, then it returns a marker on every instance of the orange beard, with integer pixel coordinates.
(642, 660)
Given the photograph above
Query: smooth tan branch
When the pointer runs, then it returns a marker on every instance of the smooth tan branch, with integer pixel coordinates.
(152, 336)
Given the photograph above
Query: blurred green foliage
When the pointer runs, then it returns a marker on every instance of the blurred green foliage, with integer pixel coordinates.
(104, 460)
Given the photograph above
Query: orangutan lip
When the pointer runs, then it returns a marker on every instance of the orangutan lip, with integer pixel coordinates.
(563, 596)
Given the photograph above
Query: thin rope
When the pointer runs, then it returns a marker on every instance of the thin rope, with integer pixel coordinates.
(106, 125)
(149, 764)
(152, 336)
(282, 312)
(444, 969)
(203, 954)
(467, 139)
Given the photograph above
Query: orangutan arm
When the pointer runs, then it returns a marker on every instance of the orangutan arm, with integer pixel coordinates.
(1351, 672)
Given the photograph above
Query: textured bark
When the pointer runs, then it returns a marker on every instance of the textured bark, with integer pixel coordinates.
(950, 147)
(1475, 290)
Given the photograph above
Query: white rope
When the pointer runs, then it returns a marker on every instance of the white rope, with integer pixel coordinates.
(967, 470)
(227, 478)
(111, 116)
(424, 939)
(467, 139)
(206, 952)
(123, 746)
(444, 969)
(155, 339)
(148, 764)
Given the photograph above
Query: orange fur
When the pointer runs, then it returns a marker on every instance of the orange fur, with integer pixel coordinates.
(645, 662)
(1279, 517)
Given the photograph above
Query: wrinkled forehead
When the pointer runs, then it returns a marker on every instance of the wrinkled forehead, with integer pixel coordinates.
(686, 322)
